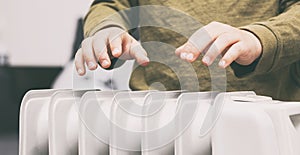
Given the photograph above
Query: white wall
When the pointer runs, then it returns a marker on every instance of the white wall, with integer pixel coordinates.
(40, 32)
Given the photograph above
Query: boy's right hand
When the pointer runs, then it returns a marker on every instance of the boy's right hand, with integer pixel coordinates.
(109, 43)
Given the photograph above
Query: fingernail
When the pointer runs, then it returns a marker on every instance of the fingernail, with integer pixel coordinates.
(190, 56)
(144, 60)
(115, 51)
(183, 55)
(145, 63)
(206, 60)
(222, 63)
(147, 59)
(80, 71)
(105, 63)
(91, 65)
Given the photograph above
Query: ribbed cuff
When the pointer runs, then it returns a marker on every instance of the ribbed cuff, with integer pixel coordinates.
(105, 24)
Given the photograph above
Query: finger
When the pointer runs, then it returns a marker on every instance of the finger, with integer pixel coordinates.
(115, 43)
(100, 51)
(207, 34)
(79, 62)
(203, 38)
(200, 41)
(88, 54)
(231, 55)
(126, 46)
(219, 45)
(188, 52)
(215, 29)
(138, 53)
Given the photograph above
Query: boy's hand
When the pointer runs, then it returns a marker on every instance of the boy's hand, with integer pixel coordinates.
(105, 45)
(217, 38)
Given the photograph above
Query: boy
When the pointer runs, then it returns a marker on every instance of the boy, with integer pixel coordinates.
(259, 42)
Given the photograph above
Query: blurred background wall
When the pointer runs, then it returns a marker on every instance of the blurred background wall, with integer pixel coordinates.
(40, 32)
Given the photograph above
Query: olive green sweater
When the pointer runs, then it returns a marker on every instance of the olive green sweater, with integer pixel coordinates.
(276, 23)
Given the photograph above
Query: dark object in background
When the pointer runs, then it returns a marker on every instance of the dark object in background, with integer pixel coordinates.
(29, 78)
(14, 83)
(78, 37)
(8, 107)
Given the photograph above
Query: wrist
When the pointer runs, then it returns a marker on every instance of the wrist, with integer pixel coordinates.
(256, 45)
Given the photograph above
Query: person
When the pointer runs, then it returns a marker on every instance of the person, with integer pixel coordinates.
(258, 41)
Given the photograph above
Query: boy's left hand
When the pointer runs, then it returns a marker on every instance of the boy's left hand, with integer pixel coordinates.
(220, 39)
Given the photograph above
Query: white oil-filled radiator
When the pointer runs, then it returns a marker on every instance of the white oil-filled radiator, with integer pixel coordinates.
(93, 122)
